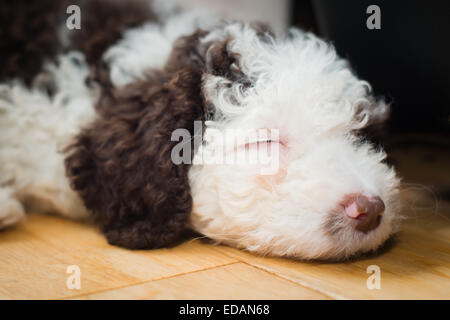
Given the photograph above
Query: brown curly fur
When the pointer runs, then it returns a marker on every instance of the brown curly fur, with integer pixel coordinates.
(104, 22)
(121, 164)
(29, 31)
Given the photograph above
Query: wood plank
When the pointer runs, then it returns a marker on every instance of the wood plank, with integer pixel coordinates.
(415, 266)
(34, 258)
(235, 281)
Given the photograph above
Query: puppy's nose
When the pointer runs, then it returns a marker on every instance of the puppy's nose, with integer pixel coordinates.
(365, 212)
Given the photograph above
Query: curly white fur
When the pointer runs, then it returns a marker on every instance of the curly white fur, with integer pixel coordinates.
(298, 85)
(35, 130)
(302, 88)
(148, 47)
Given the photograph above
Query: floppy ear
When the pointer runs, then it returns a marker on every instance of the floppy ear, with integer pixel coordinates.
(376, 114)
(214, 57)
(121, 164)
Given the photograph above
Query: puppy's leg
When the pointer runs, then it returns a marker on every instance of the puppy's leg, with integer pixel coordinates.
(36, 126)
(11, 210)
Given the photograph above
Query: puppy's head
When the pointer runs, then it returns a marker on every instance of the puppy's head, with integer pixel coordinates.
(325, 193)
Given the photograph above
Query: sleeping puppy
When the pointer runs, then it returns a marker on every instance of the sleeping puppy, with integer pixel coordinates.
(99, 132)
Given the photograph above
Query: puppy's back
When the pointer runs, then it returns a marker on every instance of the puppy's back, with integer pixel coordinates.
(34, 32)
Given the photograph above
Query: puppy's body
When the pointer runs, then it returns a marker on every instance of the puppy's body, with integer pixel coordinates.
(35, 130)
(102, 148)
(39, 122)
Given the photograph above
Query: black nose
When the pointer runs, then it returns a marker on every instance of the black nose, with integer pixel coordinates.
(365, 212)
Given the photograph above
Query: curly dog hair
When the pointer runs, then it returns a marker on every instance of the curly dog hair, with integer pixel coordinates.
(125, 154)
(92, 115)
(31, 31)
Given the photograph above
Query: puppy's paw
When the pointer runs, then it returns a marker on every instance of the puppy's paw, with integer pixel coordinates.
(11, 213)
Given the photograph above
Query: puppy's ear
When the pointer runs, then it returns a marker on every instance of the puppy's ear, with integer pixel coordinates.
(121, 164)
(214, 57)
(375, 115)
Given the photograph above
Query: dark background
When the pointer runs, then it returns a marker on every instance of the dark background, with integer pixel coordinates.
(407, 61)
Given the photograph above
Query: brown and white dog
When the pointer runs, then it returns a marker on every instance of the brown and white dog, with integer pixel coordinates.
(90, 134)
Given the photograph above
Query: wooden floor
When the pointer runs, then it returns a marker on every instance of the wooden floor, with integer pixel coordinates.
(34, 258)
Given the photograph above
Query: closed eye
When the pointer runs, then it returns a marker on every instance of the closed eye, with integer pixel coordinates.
(262, 139)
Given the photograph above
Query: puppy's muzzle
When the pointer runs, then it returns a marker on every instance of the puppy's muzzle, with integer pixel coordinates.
(364, 212)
